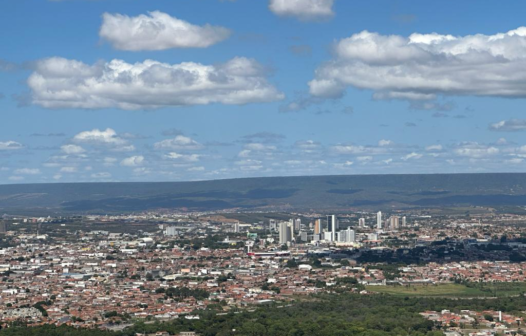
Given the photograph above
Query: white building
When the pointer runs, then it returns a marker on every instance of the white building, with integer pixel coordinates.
(347, 236)
(379, 220)
(332, 225)
(361, 222)
(171, 231)
(327, 236)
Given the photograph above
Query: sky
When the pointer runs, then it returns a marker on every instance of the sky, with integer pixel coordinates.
(184, 90)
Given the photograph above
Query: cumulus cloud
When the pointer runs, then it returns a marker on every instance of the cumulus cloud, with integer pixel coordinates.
(133, 161)
(183, 157)
(512, 125)
(422, 66)
(257, 149)
(62, 83)
(475, 150)
(72, 149)
(306, 10)
(157, 31)
(104, 138)
(349, 149)
(180, 142)
(10, 145)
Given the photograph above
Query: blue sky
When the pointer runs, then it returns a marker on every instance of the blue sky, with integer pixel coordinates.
(175, 90)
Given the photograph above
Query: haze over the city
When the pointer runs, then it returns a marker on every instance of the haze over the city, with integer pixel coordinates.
(166, 90)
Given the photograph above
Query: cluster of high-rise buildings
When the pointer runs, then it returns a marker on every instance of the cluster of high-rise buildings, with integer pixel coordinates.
(328, 230)
(391, 223)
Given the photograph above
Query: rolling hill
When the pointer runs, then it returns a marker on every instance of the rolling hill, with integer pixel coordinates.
(310, 192)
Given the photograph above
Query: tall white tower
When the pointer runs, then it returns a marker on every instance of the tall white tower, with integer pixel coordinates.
(379, 220)
(332, 225)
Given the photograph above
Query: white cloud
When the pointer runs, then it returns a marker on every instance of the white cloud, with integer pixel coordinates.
(68, 169)
(106, 138)
(27, 171)
(474, 150)
(180, 142)
(308, 145)
(423, 66)
(259, 147)
(157, 31)
(501, 142)
(196, 169)
(434, 148)
(512, 125)
(410, 156)
(62, 83)
(183, 157)
(303, 9)
(345, 165)
(248, 162)
(364, 158)
(16, 178)
(133, 161)
(10, 145)
(349, 149)
(72, 149)
(256, 148)
(385, 143)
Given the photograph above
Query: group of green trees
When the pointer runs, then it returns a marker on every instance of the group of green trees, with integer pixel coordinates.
(320, 315)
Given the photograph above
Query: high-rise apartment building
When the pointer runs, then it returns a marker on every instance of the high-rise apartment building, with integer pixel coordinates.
(297, 224)
(285, 232)
(332, 225)
(395, 223)
(317, 226)
(347, 236)
(361, 222)
(379, 220)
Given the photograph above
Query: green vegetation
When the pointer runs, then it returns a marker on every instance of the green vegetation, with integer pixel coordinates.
(453, 290)
(321, 315)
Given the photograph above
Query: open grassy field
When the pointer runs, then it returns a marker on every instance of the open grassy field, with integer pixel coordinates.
(453, 290)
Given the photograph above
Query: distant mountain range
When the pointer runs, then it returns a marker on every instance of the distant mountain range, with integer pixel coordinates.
(299, 193)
